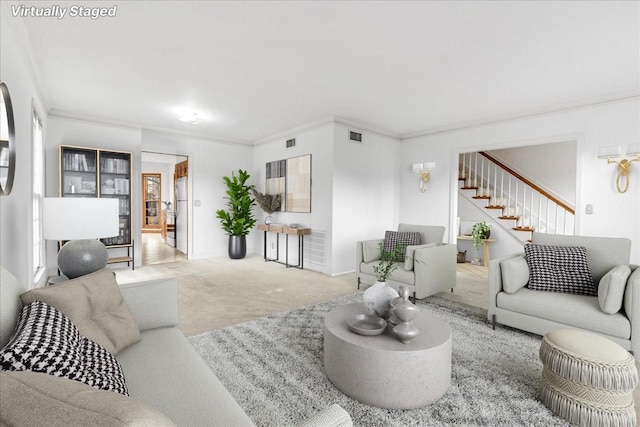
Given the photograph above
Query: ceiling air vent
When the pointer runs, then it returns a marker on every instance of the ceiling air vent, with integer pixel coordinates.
(355, 137)
(291, 143)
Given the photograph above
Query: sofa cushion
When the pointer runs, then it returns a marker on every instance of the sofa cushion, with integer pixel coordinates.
(371, 250)
(46, 341)
(559, 269)
(164, 371)
(515, 274)
(611, 289)
(95, 305)
(393, 239)
(579, 311)
(31, 398)
(410, 254)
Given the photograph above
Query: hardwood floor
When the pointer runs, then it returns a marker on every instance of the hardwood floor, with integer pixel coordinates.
(156, 251)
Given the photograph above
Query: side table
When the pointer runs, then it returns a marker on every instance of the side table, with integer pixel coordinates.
(287, 231)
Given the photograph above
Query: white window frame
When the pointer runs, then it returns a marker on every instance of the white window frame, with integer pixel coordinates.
(38, 190)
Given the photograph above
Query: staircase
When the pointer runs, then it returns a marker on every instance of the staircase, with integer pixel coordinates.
(513, 202)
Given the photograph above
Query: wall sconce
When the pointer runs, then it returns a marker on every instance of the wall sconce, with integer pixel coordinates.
(423, 169)
(624, 165)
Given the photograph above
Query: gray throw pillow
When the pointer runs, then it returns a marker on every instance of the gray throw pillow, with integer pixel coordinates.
(95, 305)
(515, 274)
(393, 239)
(371, 250)
(611, 289)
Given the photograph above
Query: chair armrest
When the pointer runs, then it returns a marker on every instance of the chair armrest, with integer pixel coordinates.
(632, 307)
(435, 265)
(153, 303)
(495, 285)
(333, 416)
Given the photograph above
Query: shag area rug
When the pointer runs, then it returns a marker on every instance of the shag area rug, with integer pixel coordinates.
(274, 368)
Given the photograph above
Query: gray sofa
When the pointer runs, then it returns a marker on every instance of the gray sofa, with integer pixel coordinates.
(430, 269)
(164, 374)
(540, 312)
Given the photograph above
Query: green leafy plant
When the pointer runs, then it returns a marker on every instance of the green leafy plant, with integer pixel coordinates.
(238, 220)
(387, 263)
(480, 232)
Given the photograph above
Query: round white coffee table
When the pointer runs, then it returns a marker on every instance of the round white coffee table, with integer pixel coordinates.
(382, 371)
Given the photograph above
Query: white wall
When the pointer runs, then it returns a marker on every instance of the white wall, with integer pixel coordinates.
(209, 161)
(615, 215)
(546, 165)
(16, 217)
(365, 192)
(317, 141)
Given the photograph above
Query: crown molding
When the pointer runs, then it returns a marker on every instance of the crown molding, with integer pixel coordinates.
(55, 113)
(612, 98)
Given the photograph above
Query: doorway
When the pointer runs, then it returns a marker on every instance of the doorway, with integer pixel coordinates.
(159, 193)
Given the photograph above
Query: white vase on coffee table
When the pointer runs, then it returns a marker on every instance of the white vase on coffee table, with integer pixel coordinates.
(377, 299)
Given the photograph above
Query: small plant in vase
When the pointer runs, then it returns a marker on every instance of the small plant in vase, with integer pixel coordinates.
(479, 233)
(377, 298)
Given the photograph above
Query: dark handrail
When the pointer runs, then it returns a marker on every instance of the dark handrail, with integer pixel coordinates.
(529, 183)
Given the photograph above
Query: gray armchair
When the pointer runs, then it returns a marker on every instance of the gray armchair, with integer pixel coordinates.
(429, 268)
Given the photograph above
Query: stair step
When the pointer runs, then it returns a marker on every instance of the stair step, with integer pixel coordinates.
(523, 228)
(468, 188)
(515, 218)
(482, 197)
(494, 207)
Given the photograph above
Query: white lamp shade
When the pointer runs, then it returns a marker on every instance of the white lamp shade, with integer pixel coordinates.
(77, 218)
(416, 167)
(429, 165)
(633, 149)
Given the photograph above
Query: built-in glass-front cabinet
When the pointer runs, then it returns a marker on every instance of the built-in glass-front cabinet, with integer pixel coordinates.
(91, 172)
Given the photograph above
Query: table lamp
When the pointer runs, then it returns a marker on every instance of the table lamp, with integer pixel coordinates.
(80, 221)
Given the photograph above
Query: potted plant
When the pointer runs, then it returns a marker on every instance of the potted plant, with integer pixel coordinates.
(480, 232)
(377, 298)
(237, 221)
(268, 202)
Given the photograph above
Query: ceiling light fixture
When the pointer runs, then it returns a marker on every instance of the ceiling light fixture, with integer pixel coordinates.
(190, 117)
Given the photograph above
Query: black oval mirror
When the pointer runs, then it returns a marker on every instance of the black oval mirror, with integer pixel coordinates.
(7, 142)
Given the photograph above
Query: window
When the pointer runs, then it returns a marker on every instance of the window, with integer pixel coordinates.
(38, 196)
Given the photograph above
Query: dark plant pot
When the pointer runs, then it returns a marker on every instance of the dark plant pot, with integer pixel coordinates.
(237, 247)
(486, 234)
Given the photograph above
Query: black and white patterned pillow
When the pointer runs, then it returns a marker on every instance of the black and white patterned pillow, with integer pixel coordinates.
(46, 341)
(559, 269)
(405, 238)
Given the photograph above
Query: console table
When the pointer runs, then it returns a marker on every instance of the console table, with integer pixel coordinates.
(485, 248)
(287, 231)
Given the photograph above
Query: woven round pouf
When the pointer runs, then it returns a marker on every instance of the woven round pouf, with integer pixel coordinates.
(587, 379)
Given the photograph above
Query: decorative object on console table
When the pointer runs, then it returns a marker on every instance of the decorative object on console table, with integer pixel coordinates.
(268, 202)
(80, 221)
(238, 221)
(480, 232)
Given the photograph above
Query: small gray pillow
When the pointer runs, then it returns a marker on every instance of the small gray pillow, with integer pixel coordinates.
(409, 256)
(611, 289)
(515, 274)
(371, 250)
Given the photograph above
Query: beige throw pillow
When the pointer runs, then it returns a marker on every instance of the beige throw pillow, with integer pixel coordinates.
(611, 289)
(95, 305)
(515, 274)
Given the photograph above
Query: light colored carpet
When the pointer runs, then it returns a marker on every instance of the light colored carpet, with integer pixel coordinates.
(274, 369)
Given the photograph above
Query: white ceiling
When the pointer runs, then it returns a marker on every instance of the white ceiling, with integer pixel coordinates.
(256, 69)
